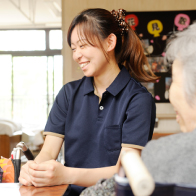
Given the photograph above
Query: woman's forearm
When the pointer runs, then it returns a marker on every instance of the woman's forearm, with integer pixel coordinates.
(50, 149)
(43, 156)
(88, 177)
(49, 173)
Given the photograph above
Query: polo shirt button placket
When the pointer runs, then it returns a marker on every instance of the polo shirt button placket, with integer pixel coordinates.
(101, 107)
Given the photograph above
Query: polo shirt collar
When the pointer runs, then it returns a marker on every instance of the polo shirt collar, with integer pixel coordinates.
(120, 82)
(117, 85)
(88, 85)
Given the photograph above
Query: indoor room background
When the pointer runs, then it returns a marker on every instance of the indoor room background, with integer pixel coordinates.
(35, 60)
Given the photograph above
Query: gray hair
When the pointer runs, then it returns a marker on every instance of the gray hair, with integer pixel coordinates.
(183, 48)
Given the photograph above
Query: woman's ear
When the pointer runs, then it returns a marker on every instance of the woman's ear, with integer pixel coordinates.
(111, 42)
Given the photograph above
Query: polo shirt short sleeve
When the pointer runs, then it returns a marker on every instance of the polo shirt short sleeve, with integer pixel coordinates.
(57, 118)
(140, 117)
(94, 132)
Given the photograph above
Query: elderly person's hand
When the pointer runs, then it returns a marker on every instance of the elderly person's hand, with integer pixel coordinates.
(48, 173)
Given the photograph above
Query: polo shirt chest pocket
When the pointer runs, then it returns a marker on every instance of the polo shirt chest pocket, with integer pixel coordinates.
(112, 137)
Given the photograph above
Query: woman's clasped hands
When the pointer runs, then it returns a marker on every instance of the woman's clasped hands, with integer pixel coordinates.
(48, 173)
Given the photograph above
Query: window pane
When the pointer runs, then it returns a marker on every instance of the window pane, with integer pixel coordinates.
(50, 82)
(30, 89)
(55, 39)
(58, 73)
(5, 86)
(22, 40)
(55, 78)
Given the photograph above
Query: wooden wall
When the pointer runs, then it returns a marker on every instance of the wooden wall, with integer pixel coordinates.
(7, 144)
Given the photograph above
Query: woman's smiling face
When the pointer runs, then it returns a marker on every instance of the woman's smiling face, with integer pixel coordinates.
(185, 114)
(90, 58)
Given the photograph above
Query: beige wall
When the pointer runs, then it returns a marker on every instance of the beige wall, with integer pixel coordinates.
(70, 8)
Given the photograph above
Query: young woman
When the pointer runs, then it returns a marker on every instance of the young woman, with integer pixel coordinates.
(104, 112)
(172, 159)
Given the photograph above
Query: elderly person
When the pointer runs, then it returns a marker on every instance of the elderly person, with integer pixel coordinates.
(172, 159)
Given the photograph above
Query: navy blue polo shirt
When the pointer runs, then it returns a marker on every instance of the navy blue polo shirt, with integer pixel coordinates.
(94, 131)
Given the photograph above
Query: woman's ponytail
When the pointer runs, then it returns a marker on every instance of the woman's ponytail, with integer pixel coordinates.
(133, 58)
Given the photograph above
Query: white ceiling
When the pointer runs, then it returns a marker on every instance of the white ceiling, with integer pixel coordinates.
(30, 14)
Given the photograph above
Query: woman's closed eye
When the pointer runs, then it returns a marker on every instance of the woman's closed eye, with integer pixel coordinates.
(82, 46)
(73, 49)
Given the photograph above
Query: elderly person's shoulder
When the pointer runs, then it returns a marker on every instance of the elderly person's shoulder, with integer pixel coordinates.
(172, 158)
(175, 141)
